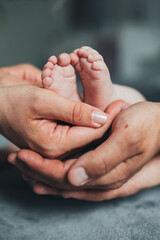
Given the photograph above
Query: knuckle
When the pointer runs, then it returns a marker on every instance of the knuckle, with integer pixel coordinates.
(101, 166)
(122, 178)
(125, 174)
(116, 185)
(77, 113)
(133, 139)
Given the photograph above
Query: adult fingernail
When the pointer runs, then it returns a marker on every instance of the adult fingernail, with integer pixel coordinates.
(79, 176)
(99, 118)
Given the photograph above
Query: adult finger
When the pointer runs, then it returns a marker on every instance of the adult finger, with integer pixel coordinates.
(79, 137)
(27, 72)
(53, 106)
(45, 167)
(146, 178)
(43, 189)
(29, 172)
(9, 80)
(50, 170)
(90, 195)
(26, 177)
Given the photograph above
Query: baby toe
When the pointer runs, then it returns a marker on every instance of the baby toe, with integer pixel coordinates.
(52, 59)
(64, 59)
(89, 51)
(98, 65)
(80, 52)
(48, 65)
(92, 51)
(46, 73)
(94, 57)
(86, 48)
(47, 82)
(75, 51)
(74, 58)
(78, 67)
(85, 54)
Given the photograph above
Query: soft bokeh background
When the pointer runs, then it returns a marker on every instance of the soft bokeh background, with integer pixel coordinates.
(126, 32)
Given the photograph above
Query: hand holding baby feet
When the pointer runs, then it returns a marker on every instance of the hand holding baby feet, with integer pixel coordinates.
(53, 171)
(59, 76)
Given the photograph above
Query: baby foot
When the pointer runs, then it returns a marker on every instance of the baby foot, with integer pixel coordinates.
(94, 75)
(59, 75)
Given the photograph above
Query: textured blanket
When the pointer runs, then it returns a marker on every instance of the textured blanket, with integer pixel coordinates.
(25, 215)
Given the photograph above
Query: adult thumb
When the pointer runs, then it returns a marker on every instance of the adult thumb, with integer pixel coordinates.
(56, 107)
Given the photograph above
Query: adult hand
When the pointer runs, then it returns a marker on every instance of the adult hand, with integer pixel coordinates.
(33, 166)
(133, 142)
(20, 74)
(53, 172)
(146, 178)
(28, 119)
(141, 138)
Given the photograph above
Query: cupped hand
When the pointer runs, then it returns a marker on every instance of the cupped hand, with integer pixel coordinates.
(134, 135)
(51, 176)
(29, 114)
(53, 171)
(134, 140)
(146, 178)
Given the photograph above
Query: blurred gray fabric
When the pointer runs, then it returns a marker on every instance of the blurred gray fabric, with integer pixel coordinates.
(25, 215)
